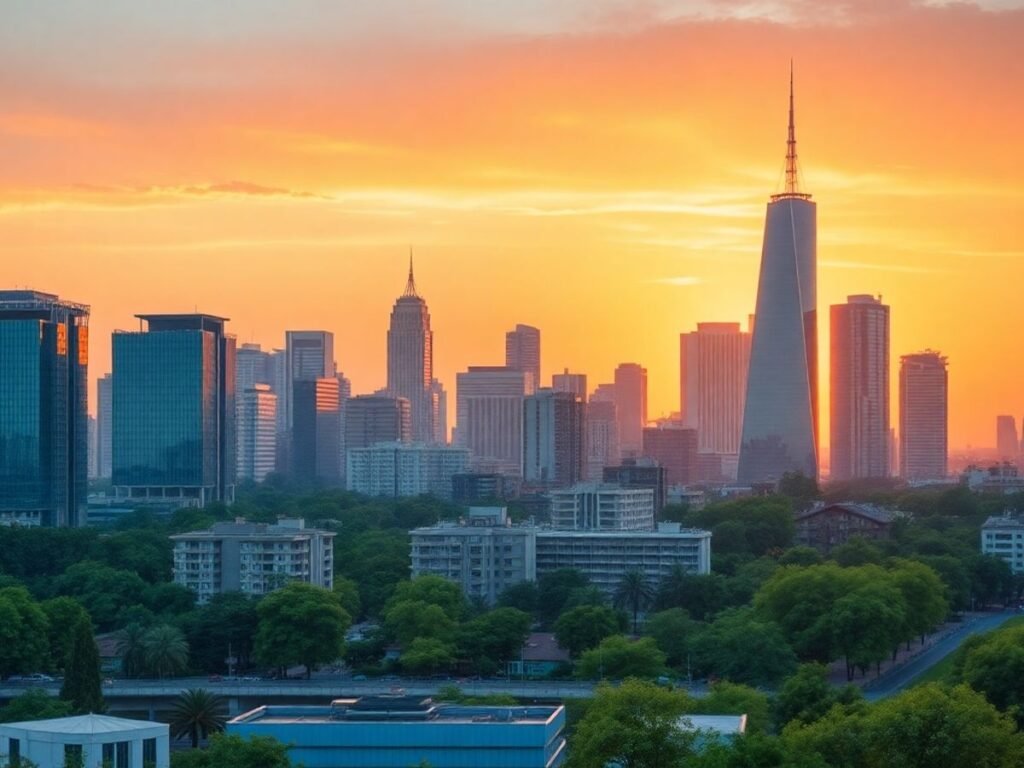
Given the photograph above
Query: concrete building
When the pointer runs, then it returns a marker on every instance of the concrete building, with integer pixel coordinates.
(1004, 478)
(553, 439)
(174, 433)
(1007, 439)
(631, 407)
(257, 432)
(489, 406)
(252, 366)
(372, 419)
(859, 379)
(104, 426)
(570, 382)
(673, 447)
(713, 362)
(924, 399)
(1003, 537)
(86, 741)
(253, 558)
(44, 434)
(472, 488)
(316, 430)
(780, 415)
(599, 507)
(309, 355)
(602, 438)
(399, 731)
(395, 470)
(828, 526)
(483, 554)
(541, 655)
(641, 473)
(522, 351)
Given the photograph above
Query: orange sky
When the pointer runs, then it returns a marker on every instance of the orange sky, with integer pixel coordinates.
(598, 169)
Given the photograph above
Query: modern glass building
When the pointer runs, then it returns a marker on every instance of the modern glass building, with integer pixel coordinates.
(174, 410)
(780, 415)
(44, 444)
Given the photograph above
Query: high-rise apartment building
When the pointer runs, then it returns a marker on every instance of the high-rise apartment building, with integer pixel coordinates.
(600, 507)
(395, 470)
(631, 407)
(859, 420)
(316, 430)
(553, 439)
(104, 425)
(489, 406)
(1007, 439)
(602, 438)
(713, 362)
(309, 356)
(437, 398)
(252, 366)
(44, 440)
(522, 351)
(924, 398)
(411, 362)
(174, 432)
(674, 447)
(780, 415)
(256, 427)
(570, 382)
(372, 419)
(640, 473)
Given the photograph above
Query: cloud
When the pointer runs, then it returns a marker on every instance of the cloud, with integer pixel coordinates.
(859, 265)
(237, 188)
(682, 281)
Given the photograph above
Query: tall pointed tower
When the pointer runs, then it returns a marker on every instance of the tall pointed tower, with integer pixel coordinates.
(780, 419)
(411, 360)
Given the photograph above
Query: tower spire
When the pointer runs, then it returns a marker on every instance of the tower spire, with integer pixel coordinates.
(792, 181)
(410, 285)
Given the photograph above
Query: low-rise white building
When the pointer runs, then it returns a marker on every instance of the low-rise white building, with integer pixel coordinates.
(89, 741)
(401, 469)
(602, 507)
(1004, 537)
(253, 558)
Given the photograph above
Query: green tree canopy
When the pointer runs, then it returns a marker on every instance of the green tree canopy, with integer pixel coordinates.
(82, 686)
(743, 648)
(427, 655)
(618, 657)
(63, 614)
(583, 628)
(34, 704)
(300, 624)
(24, 633)
(407, 620)
(433, 590)
(196, 714)
(672, 630)
(165, 650)
(233, 751)
(553, 591)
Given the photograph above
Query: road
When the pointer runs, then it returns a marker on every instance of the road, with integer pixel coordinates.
(901, 678)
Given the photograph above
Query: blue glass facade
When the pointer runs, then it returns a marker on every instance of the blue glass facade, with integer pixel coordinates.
(173, 410)
(44, 347)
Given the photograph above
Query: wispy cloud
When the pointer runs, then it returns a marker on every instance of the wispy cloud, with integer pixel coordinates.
(681, 281)
(859, 265)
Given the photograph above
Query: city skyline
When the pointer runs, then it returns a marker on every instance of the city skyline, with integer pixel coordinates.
(283, 209)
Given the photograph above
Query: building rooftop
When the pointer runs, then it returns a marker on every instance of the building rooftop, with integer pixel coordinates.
(726, 725)
(869, 511)
(241, 528)
(1004, 522)
(86, 725)
(542, 646)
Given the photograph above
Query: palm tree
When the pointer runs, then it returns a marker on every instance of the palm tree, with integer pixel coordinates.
(166, 651)
(132, 650)
(671, 587)
(634, 592)
(196, 714)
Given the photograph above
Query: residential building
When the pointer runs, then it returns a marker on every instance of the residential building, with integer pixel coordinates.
(44, 440)
(780, 415)
(859, 431)
(924, 398)
(674, 447)
(602, 438)
(600, 507)
(827, 526)
(398, 731)
(1003, 537)
(1007, 440)
(522, 351)
(631, 407)
(104, 426)
(411, 362)
(372, 419)
(553, 439)
(483, 553)
(395, 469)
(640, 473)
(570, 382)
(257, 432)
(252, 558)
(316, 430)
(489, 403)
(86, 741)
(713, 362)
(174, 433)
(1004, 478)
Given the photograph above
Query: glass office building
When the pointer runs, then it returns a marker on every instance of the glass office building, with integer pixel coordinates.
(174, 410)
(44, 346)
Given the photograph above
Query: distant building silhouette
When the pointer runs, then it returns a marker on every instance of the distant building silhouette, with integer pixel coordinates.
(522, 351)
(924, 398)
(1007, 439)
(316, 430)
(104, 425)
(631, 407)
(372, 419)
(256, 426)
(570, 382)
(553, 439)
(489, 404)
(673, 447)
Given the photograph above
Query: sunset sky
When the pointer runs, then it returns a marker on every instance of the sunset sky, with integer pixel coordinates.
(596, 168)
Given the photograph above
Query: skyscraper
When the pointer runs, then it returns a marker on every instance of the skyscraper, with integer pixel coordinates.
(570, 382)
(316, 430)
(174, 431)
(780, 415)
(522, 351)
(372, 419)
(256, 427)
(411, 361)
(104, 425)
(489, 405)
(859, 420)
(674, 447)
(309, 356)
(553, 439)
(252, 366)
(44, 448)
(631, 407)
(924, 401)
(713, 363)
(1007, 440)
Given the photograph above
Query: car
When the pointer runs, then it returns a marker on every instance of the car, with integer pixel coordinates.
(252, 679)
(216, 679)
(358, 678)
(35, 677)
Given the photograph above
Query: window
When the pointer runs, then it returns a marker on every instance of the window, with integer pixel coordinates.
(148, 753)
(123, 752)
(73, 756)
(108, 754)
(14, 753)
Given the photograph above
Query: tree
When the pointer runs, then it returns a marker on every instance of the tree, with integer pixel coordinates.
(166, 651)
(195, 714)
(131, 647)
(553, 590)
(493, 637)
(232, 751)
(224, 626)
(634, 592)
(408, 620)
(300, 624)
(857, 551)
(800, 556)
(583, 628)
(800, 488)
(34, 704)
(24, 633)
(618, 657)
(523, 596)
(63, 614)
(672, 630)
(993, 665)
(635, 725)
(426, 655)
(868, 623)
(700, 595)
(727, 698)
(347, 592)
(432, 590)
(102, 590)
(744, 648)
(82, 686)
(807, 695)
(924, 597)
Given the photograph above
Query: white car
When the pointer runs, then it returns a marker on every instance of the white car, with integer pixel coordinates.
(35, 677)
